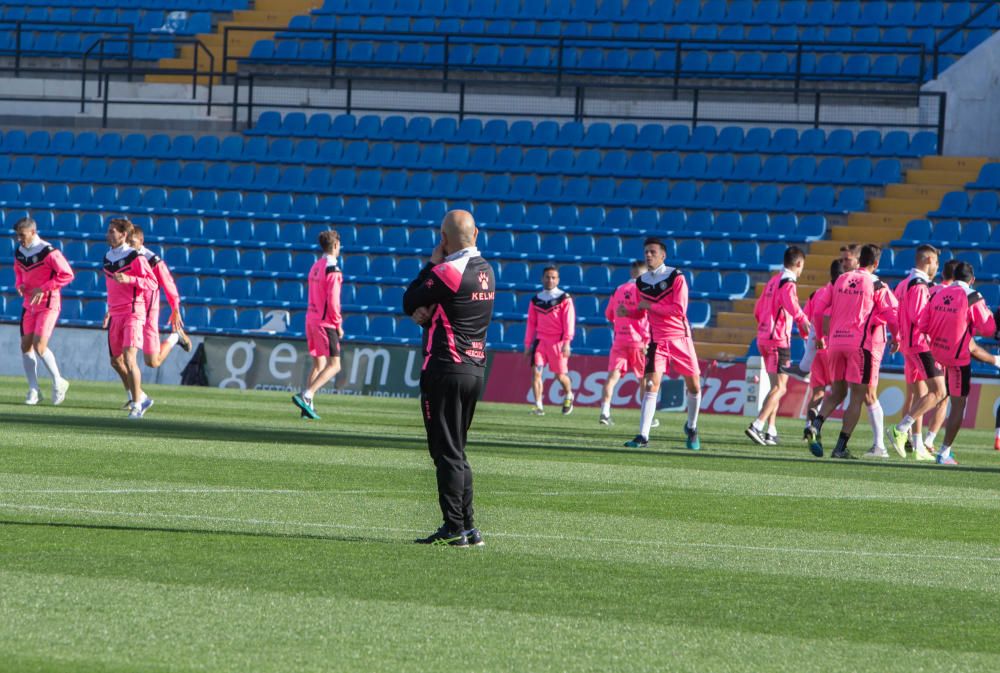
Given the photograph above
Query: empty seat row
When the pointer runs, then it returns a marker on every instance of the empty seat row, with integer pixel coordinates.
(423, 143)
(753, 61)
(984, 205)
(165, 5)
(63, 18)
(973, 234)
(805, 12)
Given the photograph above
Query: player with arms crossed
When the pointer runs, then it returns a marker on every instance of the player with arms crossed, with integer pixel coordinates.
(129, 279)
(953, 317)
(324, 323)
(776, 309)
(551, 327)
(40, 272)
(631, 327)
(663, 296)
(858, 299)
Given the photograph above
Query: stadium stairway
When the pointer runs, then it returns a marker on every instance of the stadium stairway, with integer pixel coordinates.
(884, 221)
(275, 13)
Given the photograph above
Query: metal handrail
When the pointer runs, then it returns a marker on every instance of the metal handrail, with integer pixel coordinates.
(678, 45)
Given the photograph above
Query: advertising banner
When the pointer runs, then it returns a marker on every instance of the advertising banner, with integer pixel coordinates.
(268, 363)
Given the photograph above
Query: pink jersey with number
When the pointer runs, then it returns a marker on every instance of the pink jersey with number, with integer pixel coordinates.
(955, 315)
(127, 298)
(666, 291)
(551, 317)
(325, 280)
(41, 266)
(856, 304)
(631, 329)
(913, 294)
(776, 309)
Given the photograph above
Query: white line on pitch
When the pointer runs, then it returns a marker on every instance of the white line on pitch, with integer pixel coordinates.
(530, 536)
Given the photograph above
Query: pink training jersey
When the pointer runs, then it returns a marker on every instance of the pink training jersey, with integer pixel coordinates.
(954, 316)
(127, 298)
(882, 321)
(776, 309)
(913, 294)
(164, 280)
(856, 303)
(325, 280)
(667, 293)
(820, 296)
(41, 266)
(632, 329)
(551, 317)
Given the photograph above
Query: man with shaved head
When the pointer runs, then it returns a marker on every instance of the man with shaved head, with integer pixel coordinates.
(452, 298)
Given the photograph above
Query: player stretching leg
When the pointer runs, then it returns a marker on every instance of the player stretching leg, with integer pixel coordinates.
(40, 272)
(819, 369)
(663, 295)
(776, 309)
(323, 322)
(856, 300)
(129, 279)
(551, 327)
(628, 352)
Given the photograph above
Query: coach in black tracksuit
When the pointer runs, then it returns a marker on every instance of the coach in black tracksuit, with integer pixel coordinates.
(452, 297)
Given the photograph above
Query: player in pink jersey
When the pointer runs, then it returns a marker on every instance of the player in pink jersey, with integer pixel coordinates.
(879, 335)
(776, 309)
(551, 327)
(631, 327)
(858, 301)
(324, 322)
(954, 316)
(919, 367)
(40, 272)
(663, 295)
(818, 366)
(128, 278)
(154, 351)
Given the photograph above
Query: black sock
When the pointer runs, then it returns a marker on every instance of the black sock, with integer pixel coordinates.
(818, 423)
(842, 442)
(811, 416)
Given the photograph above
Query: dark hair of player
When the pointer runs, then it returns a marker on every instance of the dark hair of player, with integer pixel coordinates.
(792, 256)
(870, 255)
(328, 239)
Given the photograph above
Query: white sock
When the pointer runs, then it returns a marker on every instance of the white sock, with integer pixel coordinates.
(945, 451)
(905, 424)
(49, 359)
(694, 406)
(772, 430)
(877, 420)
(929, 439)
(647, 413)
(998, 433)
(758, 424)
(606, 408)
(996, 360)
(918, 442)
(30, 363)
(173, 339)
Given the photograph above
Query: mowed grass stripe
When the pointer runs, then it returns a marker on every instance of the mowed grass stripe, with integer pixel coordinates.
(229, 630)
(861, 611)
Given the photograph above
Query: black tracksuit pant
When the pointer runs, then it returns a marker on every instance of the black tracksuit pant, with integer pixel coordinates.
(448, 401)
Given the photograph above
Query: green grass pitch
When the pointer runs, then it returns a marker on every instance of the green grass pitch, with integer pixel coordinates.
(223, 533)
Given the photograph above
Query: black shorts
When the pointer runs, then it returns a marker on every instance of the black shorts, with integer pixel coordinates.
(958, 380)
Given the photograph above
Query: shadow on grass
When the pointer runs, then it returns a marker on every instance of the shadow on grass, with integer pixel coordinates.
(122, 528)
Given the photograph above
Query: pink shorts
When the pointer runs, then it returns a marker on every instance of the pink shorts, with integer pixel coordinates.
(151, 333)
(678, 354)
(550, 353)
(920, 367)
(852, 365)
(625, 359)
(959, 380)
(777, 360)
(323, 340)
(819, 375)
(124, 331)
(40, 322)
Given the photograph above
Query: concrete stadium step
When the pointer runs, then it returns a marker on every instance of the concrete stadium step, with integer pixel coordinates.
(901, 205)
(707, 350)
(724, 335)
(735, 320)
(924, 176)
(954, 164)
(803, 290)
(918, 192)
